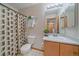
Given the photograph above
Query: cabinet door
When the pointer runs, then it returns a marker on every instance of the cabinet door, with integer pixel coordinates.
(75, 50)
(68, 50)
(51, 48)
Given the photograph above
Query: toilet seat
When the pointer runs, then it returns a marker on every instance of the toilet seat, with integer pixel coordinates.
(25, 49)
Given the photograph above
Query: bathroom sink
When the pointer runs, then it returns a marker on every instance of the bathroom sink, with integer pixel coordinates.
(61, 39)
(55, 35)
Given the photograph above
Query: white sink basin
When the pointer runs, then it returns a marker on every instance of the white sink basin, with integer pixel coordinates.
(61, 39)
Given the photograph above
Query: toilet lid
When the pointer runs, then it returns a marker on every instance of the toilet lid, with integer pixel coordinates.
(25, 47)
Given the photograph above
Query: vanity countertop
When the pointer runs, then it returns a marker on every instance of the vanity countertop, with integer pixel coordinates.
(61, 39)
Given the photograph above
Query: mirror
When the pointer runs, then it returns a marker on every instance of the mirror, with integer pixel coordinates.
(62, 24)
(57, 24)
(53, 24)
(70, 14)
(65, 17)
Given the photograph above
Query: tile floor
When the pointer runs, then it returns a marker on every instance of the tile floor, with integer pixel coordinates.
(33, 53)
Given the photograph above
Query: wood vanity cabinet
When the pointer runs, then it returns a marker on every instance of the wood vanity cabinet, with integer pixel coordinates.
(59, 49)
(69, 50)
(51, 48)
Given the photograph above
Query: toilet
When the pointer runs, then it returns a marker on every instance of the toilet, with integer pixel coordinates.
(26, 49)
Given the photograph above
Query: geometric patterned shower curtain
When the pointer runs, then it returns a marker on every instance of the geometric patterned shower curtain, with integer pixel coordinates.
(12, 31)
(21, 30)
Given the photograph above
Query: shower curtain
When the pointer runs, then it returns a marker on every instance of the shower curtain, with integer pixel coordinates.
(12, 31)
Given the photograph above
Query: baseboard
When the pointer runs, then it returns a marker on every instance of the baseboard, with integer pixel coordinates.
(37, 49)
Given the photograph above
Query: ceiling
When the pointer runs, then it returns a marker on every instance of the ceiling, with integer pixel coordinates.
(21, 5)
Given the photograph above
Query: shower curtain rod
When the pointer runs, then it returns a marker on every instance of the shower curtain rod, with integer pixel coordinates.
(11, 9)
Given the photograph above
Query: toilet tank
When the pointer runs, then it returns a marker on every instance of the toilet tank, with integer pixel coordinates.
(31, 39)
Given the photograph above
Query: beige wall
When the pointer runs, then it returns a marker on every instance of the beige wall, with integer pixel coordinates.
(6, 4)
(38, 11)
